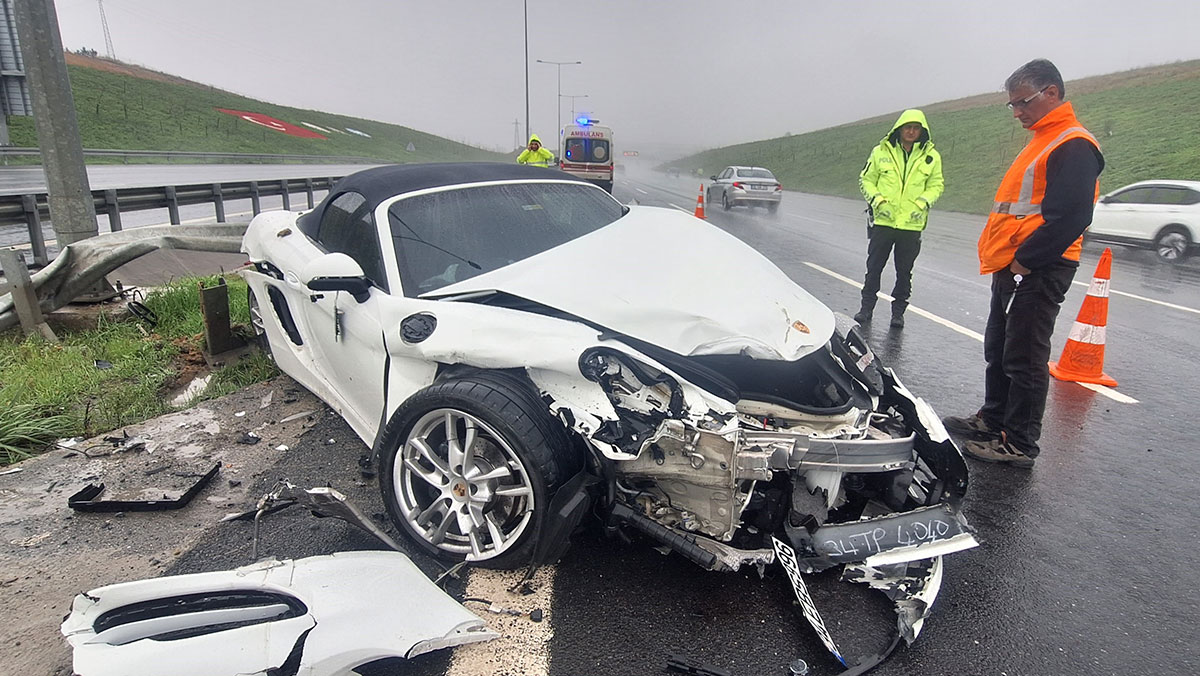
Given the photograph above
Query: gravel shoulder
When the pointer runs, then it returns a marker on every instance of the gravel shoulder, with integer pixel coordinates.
(49, 552)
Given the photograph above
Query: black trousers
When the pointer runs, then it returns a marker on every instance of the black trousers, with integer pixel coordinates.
(880, 242)
(1016, 347)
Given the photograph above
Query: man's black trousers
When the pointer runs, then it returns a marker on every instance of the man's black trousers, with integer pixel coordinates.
(1016, 346)
(880, 242)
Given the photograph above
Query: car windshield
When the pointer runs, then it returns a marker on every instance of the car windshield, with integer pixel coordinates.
(451, 235)
(586, 150)
(755, 173)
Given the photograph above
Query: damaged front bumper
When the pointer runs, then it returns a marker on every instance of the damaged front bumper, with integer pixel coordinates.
(319, 615)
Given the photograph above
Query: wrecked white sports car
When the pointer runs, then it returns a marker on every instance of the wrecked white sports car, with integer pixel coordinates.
(521, 349)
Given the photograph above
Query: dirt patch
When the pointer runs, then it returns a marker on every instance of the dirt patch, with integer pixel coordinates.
(48, 553)
(107, 65)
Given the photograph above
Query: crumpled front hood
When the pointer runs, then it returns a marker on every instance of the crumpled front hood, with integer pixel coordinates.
(672, 280)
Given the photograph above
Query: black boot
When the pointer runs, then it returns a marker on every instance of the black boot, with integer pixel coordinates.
(863, 316)
(898, 308)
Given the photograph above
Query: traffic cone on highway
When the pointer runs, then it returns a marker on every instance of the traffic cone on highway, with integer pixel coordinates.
(1082, 359)
(700, 204)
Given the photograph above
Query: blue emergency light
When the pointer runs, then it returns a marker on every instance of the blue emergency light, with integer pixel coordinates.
(585, 120)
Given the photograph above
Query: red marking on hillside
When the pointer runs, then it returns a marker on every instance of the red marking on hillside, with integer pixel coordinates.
(273, 123)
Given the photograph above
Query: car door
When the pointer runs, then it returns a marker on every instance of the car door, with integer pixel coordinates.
(350, 351)
(1126, 214)
(721, 183)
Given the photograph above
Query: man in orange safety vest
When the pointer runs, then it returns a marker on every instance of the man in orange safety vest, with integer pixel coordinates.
(1030, 246)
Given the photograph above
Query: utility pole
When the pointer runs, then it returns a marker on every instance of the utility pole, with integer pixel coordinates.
(516, 133)
(72, 211)
(108, 46)
(527, 132)
(558, 101)
(577, 96)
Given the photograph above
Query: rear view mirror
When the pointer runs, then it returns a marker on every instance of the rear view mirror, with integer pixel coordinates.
(712, 178)
(1106, 199)
(337, 272)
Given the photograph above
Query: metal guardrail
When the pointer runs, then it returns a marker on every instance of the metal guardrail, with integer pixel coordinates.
(168, 155)
(33, 207)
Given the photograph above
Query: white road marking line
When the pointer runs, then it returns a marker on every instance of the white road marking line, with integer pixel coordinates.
(640, 190)
(679, 208)
(809, 218)
(1100, 389)
(1163, 303)
(524, 645)
(1110, 393)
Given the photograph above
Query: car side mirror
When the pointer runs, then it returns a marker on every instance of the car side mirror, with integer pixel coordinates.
(712, 178)
(337, 272)
(1106, 199)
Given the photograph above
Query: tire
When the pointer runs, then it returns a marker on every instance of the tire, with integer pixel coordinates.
(773, 207)
(256, 324)
(725, 204)
(1172, 244)
(486, 509)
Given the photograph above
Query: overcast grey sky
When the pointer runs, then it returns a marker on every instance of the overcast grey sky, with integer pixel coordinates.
(678, 74)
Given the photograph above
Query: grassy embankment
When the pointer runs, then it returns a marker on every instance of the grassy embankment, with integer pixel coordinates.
(1144, 119)
(50, 391)
(129, 108)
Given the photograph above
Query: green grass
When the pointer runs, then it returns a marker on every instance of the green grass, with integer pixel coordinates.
(1145, 124)
(50, 391)
(125, 112)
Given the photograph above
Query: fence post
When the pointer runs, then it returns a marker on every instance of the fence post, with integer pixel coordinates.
(283, 192)
(24, 299)
(255, 207)
(36, 240)
(308, 188)
(114, 210)
(172, 205)
(219, 202)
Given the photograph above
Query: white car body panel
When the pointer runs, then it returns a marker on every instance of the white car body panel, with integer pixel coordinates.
(360, 608)
(722, 298)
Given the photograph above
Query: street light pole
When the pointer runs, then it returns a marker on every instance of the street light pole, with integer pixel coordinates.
(526, 69)
(577, 96)
(558, 102)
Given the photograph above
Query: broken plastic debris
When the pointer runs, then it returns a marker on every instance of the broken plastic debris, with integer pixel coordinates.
(239, 414)
(297, 416)
(282, 447)
(12, 470)
(249, 439)
(319, 615)
(103, 364)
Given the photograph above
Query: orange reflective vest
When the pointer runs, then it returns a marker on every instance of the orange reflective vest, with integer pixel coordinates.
(1017, 211)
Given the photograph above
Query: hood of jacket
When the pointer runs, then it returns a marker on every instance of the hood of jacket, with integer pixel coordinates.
(532, 138)
(910, 115)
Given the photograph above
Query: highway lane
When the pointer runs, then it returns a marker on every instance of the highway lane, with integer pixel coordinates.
(1087, 560)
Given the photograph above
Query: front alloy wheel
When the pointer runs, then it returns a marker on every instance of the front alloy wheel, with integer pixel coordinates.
(725, 201)
(461, 487)
(468, 464)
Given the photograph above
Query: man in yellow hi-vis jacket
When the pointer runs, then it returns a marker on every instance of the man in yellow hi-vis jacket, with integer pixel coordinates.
(902, 180)
(535, 155)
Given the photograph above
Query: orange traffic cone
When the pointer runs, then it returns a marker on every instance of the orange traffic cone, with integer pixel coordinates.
(700, 203)
(1082, 359)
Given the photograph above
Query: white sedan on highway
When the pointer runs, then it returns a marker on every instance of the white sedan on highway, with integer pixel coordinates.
(521, 350)
(1161, 215)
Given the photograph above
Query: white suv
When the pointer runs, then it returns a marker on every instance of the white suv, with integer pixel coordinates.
(1163, 215)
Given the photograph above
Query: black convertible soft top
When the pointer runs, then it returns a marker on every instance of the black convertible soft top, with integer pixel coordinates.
(379, 183)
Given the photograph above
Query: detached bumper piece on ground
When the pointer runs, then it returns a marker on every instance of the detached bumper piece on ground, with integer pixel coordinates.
(314, 616)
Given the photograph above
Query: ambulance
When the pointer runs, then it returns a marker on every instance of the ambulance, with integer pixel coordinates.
(585, 150)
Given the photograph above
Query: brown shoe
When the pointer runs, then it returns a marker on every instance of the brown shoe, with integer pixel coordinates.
(997, 450)
(971, 427)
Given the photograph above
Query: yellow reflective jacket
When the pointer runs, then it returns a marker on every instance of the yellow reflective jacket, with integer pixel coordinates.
(900, 190)
(540, 158)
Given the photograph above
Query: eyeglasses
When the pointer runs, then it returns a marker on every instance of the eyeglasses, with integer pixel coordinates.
(1023, 103)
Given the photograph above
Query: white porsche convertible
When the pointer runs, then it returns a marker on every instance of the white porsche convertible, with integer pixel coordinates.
(520, 350)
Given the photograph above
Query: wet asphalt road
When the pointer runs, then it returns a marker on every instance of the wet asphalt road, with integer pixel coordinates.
(1088, 561)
